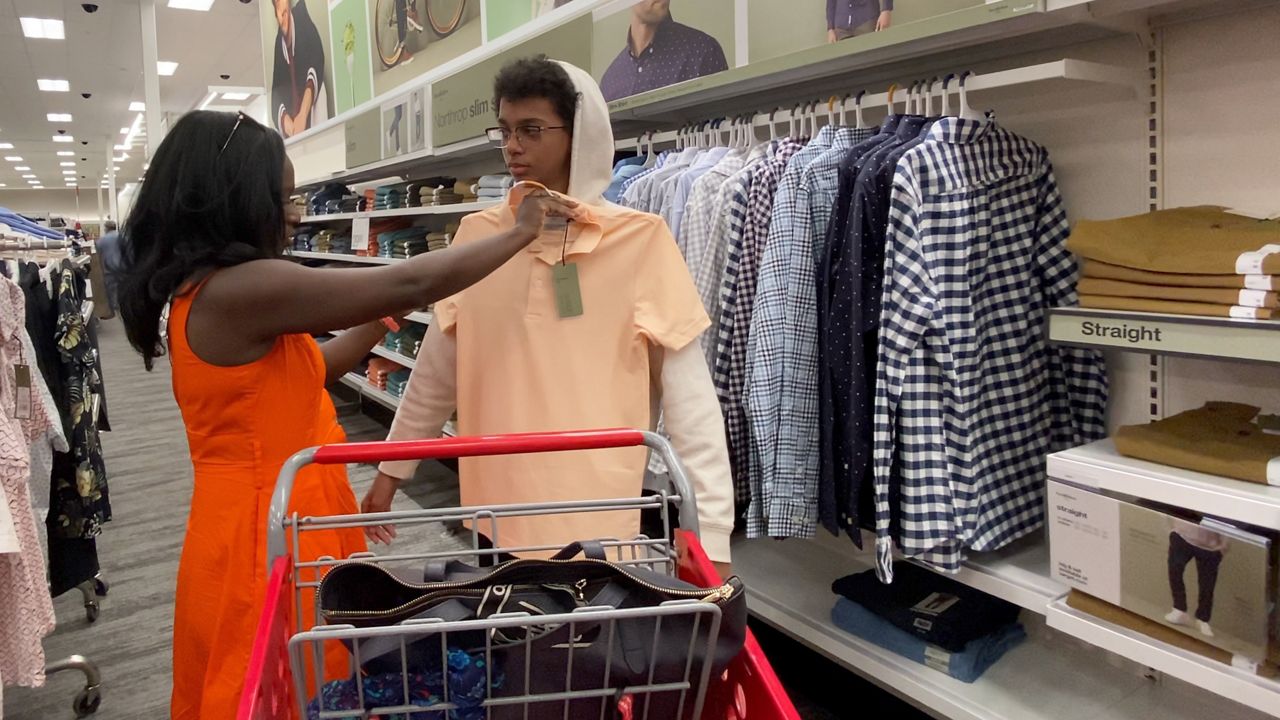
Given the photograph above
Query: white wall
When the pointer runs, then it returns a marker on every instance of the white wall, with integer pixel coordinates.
(54, 202)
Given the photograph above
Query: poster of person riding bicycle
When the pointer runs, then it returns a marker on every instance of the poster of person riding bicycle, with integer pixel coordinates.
(410, 37)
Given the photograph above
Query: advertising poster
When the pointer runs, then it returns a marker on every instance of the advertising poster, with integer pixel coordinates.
(780, 28)
(396, 122)
(656, 43)
(296, 59)
(352, 58)
(503, 16)
(411, 37)
(418, 114)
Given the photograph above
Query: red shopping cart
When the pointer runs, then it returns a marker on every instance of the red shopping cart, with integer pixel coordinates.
(282, 681)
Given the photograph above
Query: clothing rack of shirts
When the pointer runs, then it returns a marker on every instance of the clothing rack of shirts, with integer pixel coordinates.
(53, 380)
(831, 258)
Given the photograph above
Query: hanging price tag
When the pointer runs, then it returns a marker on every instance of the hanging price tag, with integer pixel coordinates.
(360, 234)
(22, 392)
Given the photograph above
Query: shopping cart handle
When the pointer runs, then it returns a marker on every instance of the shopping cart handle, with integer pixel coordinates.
(516, 444)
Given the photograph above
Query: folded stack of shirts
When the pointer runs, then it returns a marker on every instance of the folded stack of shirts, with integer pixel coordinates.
(318, 201)
(438, 241)
(370, 199)
(390, 197)
(398, 381)
(466, 188)
(1188, 261)
(926, 617)
(444, 195)
(402, 243)
(349, 203)
(323, 241)
(414, 188)
(302, 239)
(493, 187)
(407, 341)
(379, 371)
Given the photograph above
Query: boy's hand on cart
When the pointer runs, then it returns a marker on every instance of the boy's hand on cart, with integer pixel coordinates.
(378, 500)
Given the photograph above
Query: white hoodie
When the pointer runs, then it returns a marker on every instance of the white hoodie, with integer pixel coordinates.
(680, 380)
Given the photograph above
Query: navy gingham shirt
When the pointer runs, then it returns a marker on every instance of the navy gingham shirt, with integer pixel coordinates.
(969, 398)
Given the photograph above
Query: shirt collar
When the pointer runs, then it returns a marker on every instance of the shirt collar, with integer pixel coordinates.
(584, 236)
(658, 36)
(959, 131)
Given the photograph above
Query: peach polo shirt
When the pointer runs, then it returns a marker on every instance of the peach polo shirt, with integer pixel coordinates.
(523, 368)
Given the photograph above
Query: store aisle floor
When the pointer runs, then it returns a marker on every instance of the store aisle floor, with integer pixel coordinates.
(150, 476)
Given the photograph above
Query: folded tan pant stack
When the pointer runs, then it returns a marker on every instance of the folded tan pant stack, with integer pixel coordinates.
(1188, 261)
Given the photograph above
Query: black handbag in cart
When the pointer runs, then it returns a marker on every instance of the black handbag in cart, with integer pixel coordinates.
(641, 649)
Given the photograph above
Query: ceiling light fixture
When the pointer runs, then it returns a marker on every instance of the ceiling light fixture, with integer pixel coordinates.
(137, 106)
(6, 146)
(236, 96)
(63, 138)
(124, 131)
(65, 153)
(59, 117)
(201, 5)
(3, 185)
(48, 85)
(28, 177)
(13, 158)
(166, 67)
(43, 28)
(68, 172)
(121, 146)
(67, 164)
(21, 168)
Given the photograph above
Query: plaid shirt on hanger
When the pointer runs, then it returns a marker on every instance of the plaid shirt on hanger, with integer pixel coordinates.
(969, 398)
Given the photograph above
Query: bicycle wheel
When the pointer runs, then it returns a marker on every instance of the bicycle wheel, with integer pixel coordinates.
(386, 33)
(445, 16)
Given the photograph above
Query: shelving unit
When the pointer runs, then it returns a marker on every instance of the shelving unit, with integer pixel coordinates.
(1184, 335)
(1038, 680)
(454, 209)
(340, 257)
(1098, 466)
(361, 384)
(1238, 684)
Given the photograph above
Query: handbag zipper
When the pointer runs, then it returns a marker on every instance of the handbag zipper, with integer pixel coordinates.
(714, 595)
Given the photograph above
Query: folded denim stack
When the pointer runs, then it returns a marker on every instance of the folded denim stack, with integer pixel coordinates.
(318, 201)
(390, 197)
(403, 243)
(302, 239)
(397, 381)
(406, 341)
(1188, 261)
(928, 618)
(493, 187)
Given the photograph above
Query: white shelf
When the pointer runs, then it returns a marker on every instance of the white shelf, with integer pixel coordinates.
(400, 165)
(1099, 466)
(1018, 573)
(454, 209)
(1235, 684)
(339, 257)
(1222, 338)
(394, 356)
(789, 585)
(361, 384)
(421, 316)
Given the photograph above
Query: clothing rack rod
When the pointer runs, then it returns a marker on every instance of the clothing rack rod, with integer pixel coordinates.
(1064, 69)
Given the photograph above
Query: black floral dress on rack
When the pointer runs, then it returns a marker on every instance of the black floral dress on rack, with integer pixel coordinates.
(80, 498)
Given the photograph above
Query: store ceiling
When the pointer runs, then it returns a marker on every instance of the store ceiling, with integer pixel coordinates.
(102, 55)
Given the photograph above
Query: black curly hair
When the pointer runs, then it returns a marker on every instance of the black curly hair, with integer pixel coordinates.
(537, 77)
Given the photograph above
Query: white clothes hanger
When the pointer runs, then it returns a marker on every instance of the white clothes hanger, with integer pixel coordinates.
(967, 112)
(946, 94)
(652, 159)
(893, 89)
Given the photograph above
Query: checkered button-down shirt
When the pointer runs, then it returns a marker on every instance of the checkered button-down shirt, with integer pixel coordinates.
(782, 507)
(738, 292)
(969, 398)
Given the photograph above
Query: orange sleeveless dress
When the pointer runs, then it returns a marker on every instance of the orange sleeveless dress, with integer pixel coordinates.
(242, 424)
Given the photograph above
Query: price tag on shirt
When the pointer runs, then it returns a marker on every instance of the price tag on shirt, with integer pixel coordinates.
(568, 292)
(22, 392)
(360, 234)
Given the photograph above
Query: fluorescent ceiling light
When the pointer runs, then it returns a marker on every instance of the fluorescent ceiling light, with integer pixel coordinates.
(65, 153)
(21, 168)
(67, 164)
(235, 96)
(201, 5)
(68, 172)
(13, 158)
(122, 146)
(166, 67)
(124, 131)
(37, 187)
(48, 85)
(59, 117)
(43, 28)
(3, 185)
(137, 106)
(28, 177)
(63, 138)
(6, 146)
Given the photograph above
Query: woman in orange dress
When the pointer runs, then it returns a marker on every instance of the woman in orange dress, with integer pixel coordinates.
(204, 240)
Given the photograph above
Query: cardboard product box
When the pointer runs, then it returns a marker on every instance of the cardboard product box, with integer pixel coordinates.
(1208, 579)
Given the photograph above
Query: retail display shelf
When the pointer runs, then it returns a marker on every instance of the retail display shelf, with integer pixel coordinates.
(789, 586)
(339, 257)
(361, 385)
(1222, 338)
(412, 164)
(394, 356)
(421, 316)
(1018, 573)
(455, 209)
(1236, 684)
(1099, 466)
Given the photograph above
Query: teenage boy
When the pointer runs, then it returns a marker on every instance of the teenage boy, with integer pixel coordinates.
(511, 356)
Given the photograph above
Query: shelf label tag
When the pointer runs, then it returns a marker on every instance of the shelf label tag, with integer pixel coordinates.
(360, 234)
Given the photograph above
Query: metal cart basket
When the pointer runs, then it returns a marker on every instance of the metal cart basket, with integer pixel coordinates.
(286, 678)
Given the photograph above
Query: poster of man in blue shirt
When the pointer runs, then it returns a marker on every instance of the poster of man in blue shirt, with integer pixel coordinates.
(659, 52)
(850, 18)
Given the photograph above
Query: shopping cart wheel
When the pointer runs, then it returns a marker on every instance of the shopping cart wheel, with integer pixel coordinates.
(100, 586)
(92, 610)
(87, 701)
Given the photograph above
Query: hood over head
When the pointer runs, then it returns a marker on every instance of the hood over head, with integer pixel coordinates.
(591, 159)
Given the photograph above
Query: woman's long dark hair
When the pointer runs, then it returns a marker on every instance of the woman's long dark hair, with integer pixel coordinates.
(211, 199)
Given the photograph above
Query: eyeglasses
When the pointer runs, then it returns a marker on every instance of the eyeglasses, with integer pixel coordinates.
(501, 136)
(240, 117)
